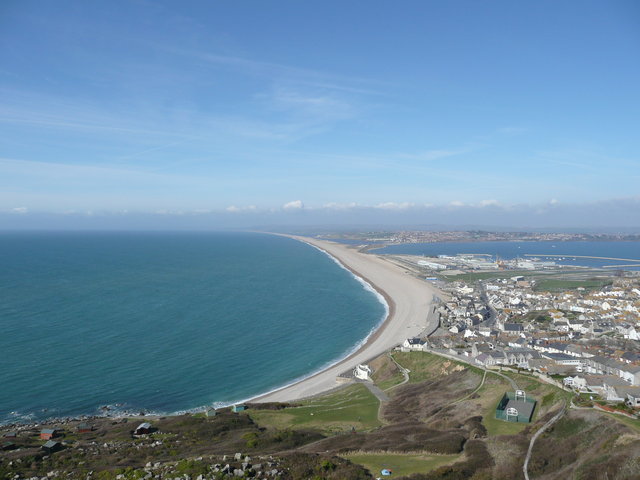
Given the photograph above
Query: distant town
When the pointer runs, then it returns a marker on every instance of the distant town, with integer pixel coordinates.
(421, 236)
(578, 326)
(523, 355)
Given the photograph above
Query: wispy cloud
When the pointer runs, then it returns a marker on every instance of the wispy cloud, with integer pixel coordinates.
(394, 206)
(436, 154)
(60, 186)
(311, 103)
(512, 130)
(489, 203)
(77, 122)
(23, 107)
(282, 72)
(302, 114)
(293, 205)
(151, 150)
(341, 88)
(340, 206)
(247, 209)
(59, 171)
(590, 160)
(622, 212)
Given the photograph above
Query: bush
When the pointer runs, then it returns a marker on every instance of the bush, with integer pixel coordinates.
(192, 467)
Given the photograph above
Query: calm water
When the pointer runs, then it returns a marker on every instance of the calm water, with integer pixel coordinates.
(166, 322)
(510, 250)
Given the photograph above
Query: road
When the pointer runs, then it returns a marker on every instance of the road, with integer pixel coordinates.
(377, 392)
(493, 314)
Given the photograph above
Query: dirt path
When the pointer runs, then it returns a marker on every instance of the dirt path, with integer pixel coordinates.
(511, 381)
(553, 420)
(404, 371)
(484, 376)
(508, 379)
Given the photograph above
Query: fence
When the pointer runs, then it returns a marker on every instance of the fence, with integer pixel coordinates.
(513, 410)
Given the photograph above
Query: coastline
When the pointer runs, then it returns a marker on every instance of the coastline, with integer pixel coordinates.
(408, 300)
(376, 342)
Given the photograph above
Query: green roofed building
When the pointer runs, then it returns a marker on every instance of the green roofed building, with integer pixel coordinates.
(516, 407)
(52, 446)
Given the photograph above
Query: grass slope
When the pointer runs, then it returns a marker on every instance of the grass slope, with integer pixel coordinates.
(353, 406)
(385, 372)
(400, 464)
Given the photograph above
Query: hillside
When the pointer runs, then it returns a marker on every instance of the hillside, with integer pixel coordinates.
(436, 424)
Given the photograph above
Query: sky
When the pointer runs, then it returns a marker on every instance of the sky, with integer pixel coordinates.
(165, 114)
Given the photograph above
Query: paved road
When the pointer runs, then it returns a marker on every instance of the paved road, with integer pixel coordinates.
(509, 379)
(433, 318)
(493, 313)
(380, 395)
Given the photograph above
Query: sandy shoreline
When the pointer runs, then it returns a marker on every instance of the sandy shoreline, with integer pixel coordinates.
(409, 301)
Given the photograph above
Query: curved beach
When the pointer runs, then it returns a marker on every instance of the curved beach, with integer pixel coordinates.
(409, 300)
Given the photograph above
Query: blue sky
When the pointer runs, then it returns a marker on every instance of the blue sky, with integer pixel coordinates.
(320, 112)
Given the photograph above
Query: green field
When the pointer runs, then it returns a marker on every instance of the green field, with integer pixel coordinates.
(400, 464)
(425, 366)
(389, 382)
(554, 284)
(353, 406)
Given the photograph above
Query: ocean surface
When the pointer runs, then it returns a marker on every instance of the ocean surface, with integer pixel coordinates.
(167, 322)
(510, 250)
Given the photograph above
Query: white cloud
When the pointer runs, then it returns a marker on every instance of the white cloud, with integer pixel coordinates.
(234, 209)
(489, 203)
(294, 205)
(457, 203)
(622, 214)
(394, 206)
(170, 212)
(340, 206)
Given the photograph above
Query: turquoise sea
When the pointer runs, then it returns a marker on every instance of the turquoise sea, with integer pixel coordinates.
(166, 322)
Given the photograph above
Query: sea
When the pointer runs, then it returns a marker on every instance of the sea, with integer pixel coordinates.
(114, 323)
(570, 253)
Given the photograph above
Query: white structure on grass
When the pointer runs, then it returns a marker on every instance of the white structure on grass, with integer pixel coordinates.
(362, 372)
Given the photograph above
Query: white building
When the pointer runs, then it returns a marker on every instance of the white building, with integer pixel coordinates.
(362, 372)
(414, 344)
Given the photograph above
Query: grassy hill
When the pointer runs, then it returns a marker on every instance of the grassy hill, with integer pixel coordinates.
(439, 423)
